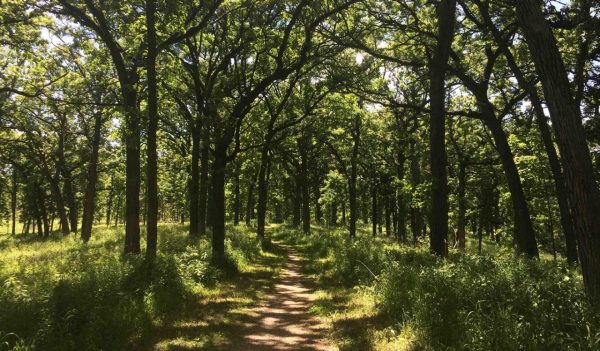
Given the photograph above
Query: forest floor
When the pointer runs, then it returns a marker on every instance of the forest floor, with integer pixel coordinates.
(283, 322)
(266, 307)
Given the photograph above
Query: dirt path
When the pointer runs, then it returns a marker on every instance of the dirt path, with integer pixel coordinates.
(283, 321)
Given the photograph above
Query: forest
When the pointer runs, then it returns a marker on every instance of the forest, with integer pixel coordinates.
(299, 175)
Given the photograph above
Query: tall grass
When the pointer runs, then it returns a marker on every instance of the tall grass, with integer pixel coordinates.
(61, 294)
(465, 302)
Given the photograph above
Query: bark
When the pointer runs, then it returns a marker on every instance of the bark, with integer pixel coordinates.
(317, 197)
(333, 213)
(218, 191)
(59, 201)
(250, 200)
(132, 175)
(92, 180)
(69, 193)
(566, 121)
(400, 199)
(63, 169)
(151, 153)
(118, 211)
(237, 196)
(263, 189)
(353, 175)
(194, 228)
(204, 167)
(416, 215)
(553, 159)
(388, 215)
(524, 235)
(462, 206)
(374, 210)
(296, 205)
(13, 202)
(302, 148)
(109, 202)
(438, 159)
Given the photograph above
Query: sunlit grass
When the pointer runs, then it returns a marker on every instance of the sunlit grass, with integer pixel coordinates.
(378, 295)
(182, 302)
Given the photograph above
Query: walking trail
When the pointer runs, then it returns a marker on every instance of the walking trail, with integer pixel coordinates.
(283, 321)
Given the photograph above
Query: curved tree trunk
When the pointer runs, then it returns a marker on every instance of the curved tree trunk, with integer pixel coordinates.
(523, 232)
(566, 219)
(566, 121)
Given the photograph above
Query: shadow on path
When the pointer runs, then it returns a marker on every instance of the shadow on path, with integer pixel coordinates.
(283, 322)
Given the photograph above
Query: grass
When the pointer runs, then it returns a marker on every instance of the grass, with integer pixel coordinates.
(61, 294)
(378, 295)
(373, 294)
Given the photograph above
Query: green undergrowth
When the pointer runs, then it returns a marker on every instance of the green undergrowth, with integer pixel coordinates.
(378, 295)
(61, 294)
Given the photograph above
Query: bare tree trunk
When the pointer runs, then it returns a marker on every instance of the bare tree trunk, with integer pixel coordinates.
(13, 202)
(237, 195)
(218, 189)
(204, 168)
(462, 208)
(302, 148)
(263, 189)
(524, 235)
(354, 175)
(92, 180)
(566, 121)
(132, 174)
(151, 153)
(438, 160)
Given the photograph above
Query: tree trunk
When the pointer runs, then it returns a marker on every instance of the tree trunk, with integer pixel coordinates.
(388, 215)
(13, 202)
(302, 148)
(262, 190)
(250, 200)
(109, 202)
(566, 219)
(92, 179)
(333, 214)
(237, 204)
(374, 209)
(524, 235)
(566, 121)
(118, 210)
(354, 175)
(297, 201)
(194, 194)
(152, 157)
(59, 201)
(462, 208)
(132, 173)
(218, 191)
(71, 201)
(204, 167)
(317, 197)
(400, 198)
(416, 215)
(439, 180)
